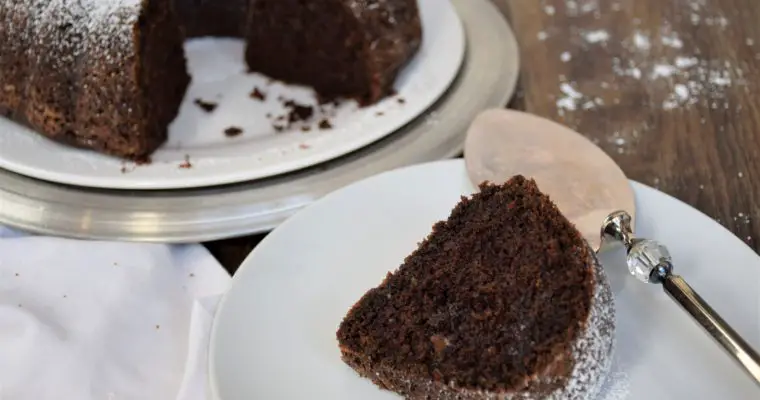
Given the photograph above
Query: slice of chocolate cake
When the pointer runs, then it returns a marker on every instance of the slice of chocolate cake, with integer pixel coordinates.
(504, 300)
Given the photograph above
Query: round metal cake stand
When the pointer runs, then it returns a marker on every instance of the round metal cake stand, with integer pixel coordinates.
(487, 79)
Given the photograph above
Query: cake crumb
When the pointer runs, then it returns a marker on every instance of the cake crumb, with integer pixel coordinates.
(306, 128)
(298, 112)
(206, 106)
(17, 274)
(379, 114)
(304, 146)
(186, 164)
(401, 100)
(325, 124)
(258, 94)
(233, 131)
(158, 327)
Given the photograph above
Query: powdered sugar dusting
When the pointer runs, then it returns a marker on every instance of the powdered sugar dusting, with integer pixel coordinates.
(641, 41)
(593, 351)
(67, 29)
(669, 63)
(617, 386)
(571, 97)
(596, 36)
(672, 40)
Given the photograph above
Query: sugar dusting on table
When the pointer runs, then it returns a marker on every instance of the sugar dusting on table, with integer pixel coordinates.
(683, 77)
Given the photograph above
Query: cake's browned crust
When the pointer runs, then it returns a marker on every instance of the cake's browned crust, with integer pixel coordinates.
(341, 48)
(107, 75)
(491, 303)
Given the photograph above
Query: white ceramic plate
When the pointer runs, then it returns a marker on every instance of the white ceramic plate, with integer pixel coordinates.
(274, 334)
(260, 151)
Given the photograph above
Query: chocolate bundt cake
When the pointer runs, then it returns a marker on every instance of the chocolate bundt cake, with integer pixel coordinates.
(110, 75)
(504, 300)
(102, 74)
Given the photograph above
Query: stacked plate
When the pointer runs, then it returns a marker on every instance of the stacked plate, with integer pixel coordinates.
(230, 168)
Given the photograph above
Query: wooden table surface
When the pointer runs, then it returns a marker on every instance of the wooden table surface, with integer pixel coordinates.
(667, 88)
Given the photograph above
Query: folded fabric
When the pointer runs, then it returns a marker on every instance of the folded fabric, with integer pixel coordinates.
(87, 320)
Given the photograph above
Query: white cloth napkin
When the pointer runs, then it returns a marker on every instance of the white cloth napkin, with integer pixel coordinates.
(85, 320)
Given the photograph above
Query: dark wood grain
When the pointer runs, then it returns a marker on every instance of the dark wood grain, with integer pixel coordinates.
(667, 88)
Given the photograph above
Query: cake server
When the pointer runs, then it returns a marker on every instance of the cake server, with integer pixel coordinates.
(589, 187)
(650, 262)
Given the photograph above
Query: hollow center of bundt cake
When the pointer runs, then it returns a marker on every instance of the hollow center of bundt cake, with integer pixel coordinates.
(496, 294)
(314, 43)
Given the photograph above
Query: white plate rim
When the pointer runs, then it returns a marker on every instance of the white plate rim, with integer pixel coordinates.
(638, 187)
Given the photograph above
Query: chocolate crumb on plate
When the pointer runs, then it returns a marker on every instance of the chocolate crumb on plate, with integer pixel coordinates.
(298, 112)
(206, 106)
(306, 128)
(186, 164)
(233, 131)
(379, 114)
(258, 94)
(401, 100)
(325, 124)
